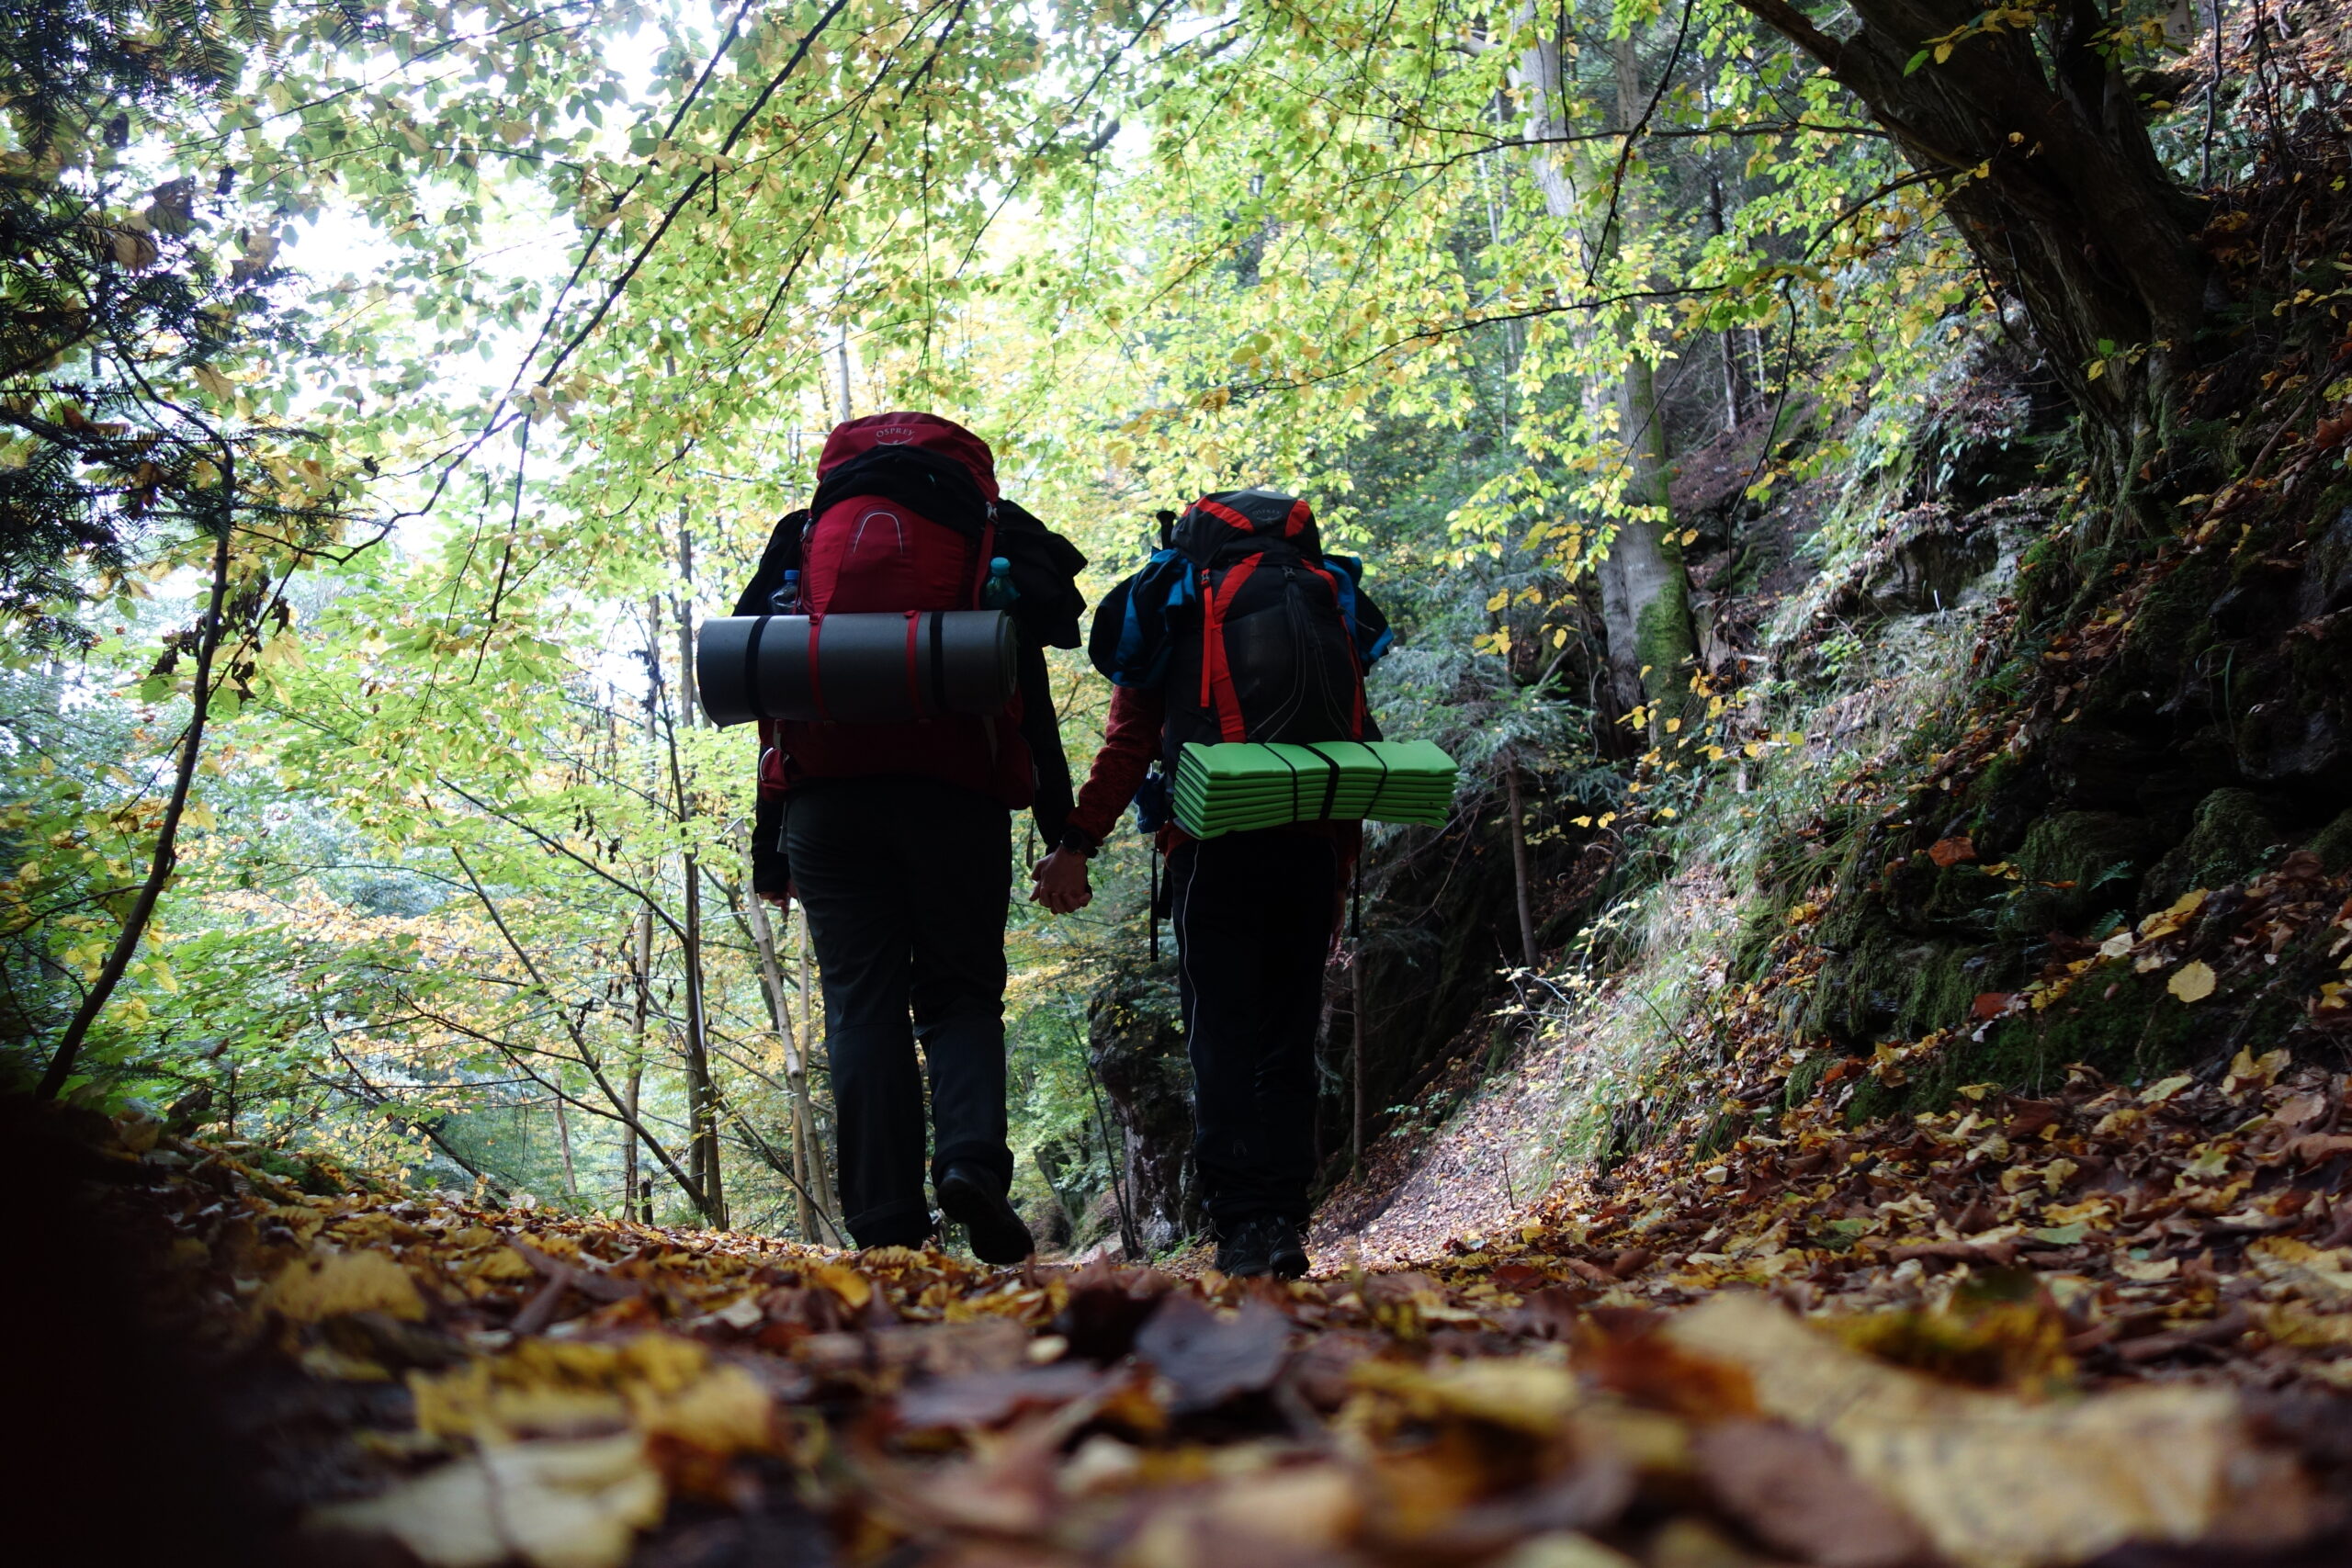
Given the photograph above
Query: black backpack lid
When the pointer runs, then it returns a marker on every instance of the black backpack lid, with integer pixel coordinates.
(1216, 522)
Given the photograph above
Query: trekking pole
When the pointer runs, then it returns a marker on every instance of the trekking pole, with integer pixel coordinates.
(1151, 910)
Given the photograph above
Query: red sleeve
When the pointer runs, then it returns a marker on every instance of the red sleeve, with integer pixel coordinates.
(1130, 742)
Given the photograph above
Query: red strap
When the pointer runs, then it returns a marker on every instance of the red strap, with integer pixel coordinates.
(914, 663)
(816, 684)
(1300, 516)
(1218, 509)
(1216, 675)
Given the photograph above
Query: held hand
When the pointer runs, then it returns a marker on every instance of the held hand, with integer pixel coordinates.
(1062, 884)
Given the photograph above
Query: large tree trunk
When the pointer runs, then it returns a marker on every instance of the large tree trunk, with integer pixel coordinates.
(1645, 592)
(2051, 180)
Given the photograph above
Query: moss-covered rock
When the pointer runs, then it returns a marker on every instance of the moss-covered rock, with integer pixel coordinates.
(2074, 866)
(2333, 844)
(2232, 837)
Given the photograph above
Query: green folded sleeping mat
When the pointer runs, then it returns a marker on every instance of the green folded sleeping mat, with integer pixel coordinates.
(1238, 785)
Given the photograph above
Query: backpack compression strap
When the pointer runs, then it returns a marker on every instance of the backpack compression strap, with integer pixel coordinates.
(1216, 674)
(1339, 603)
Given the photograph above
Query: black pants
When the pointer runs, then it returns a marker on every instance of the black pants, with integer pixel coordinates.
(906, 882)
(1253, 916)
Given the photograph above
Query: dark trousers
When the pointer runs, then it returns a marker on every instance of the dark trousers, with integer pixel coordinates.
(907, 881)
(1253, 915)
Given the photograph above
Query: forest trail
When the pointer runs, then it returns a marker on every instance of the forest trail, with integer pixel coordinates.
(1732, 1361)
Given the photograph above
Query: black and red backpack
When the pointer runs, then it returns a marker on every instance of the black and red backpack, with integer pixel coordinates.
(1248, 628)
(907, 516)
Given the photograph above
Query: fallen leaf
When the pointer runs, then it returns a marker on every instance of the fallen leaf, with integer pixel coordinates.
(1996, 1482)
(1529, 1396)
(2192, 982)
(854, 1287)
(1793, 1489)
(553, 1504)
(327, 1284)
(988, 1399)
(1563, 1549)
(1951, 851)
(1210, 1358)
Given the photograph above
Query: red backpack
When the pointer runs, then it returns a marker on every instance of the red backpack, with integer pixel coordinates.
(907, 516)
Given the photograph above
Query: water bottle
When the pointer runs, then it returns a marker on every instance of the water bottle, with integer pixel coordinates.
(785, 600)
(999, 593)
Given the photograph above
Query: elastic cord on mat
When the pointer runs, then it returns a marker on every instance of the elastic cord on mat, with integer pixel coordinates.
(1330, 781)
(1286, 761)
(939, 662)
(752, 668)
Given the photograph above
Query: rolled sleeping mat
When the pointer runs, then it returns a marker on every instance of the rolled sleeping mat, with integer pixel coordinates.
(887, 668)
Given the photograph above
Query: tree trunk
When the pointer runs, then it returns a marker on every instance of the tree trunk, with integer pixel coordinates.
(165, 859)
(642, 965)
(1528, 954)
(812, 1029)
(1644, 593)
(795, 1075)
(563, 1140)
(689, 695)
(701, 1094)
(2036, 141)
(1650, 578)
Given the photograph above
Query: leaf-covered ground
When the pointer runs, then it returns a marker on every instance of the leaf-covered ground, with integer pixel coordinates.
(2110, 1325)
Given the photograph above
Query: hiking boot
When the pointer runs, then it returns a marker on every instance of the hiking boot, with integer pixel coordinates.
(1260, 1245)
(1286, 1256)
(972, 1197)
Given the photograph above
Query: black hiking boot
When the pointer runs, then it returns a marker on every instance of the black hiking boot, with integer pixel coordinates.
(1261, 1244)
(971, 1197)
(1286, 1257)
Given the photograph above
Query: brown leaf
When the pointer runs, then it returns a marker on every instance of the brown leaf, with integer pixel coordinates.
(988, 1399)
(1990, 1004)
(1951, 851)
(1210, 1358)
(1792, 1489)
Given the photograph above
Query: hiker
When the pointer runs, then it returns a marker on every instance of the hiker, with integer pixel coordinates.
(897, 836)
(1237, 628)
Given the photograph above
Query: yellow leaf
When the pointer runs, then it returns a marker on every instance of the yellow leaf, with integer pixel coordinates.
(2192, 982)
(1499, 600)
(328, 1284)
(1997, 1480)
(852, 1287)
(568, 1503)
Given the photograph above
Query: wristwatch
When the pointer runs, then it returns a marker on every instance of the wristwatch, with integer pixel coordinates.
(1080, 843)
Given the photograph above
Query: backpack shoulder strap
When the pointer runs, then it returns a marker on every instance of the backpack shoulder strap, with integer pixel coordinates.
(1216, 672)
